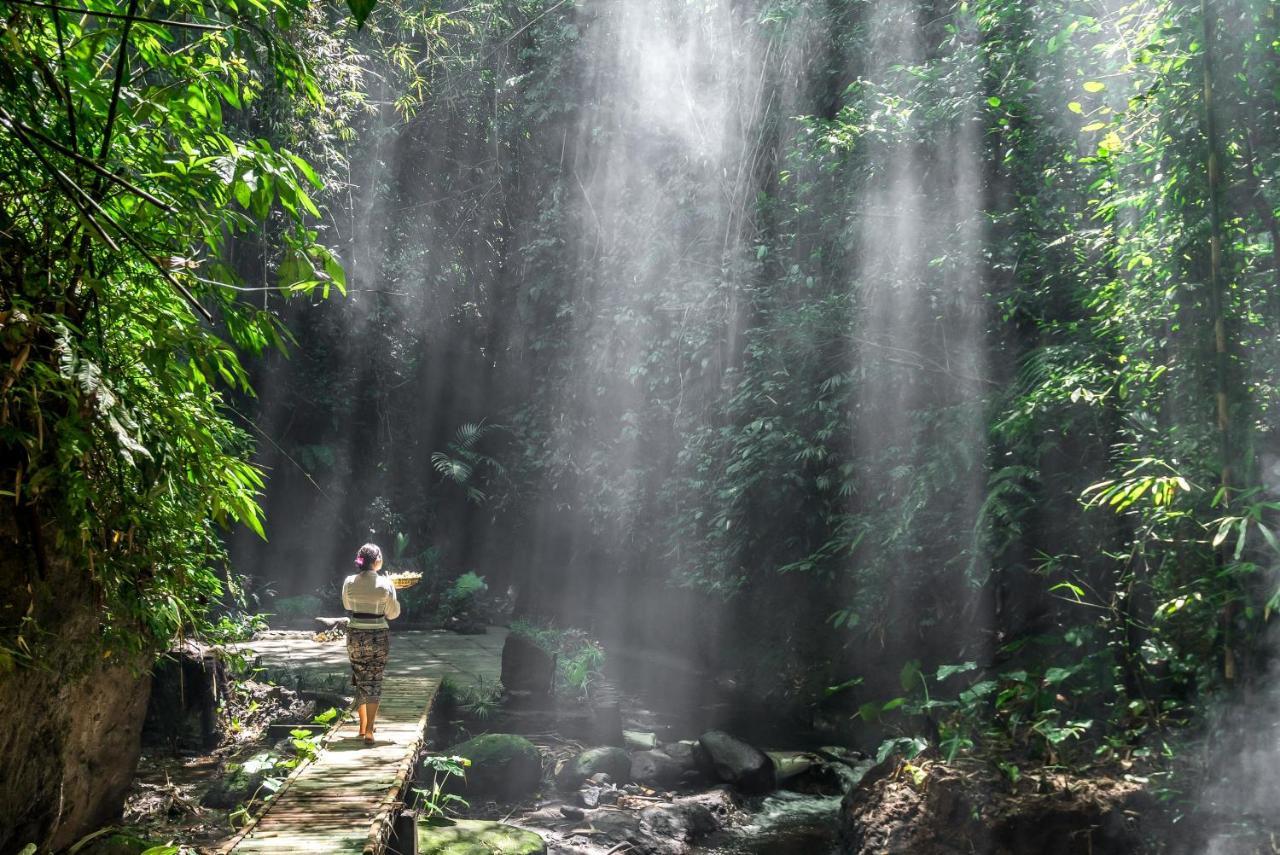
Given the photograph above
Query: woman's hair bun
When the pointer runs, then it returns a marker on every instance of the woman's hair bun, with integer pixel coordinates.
(368, 556)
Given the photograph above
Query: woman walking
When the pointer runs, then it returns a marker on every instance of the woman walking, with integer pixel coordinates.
(371, 601)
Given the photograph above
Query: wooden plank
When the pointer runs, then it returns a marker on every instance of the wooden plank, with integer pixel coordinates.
(293, 776)
(346, 799)
(380, 828)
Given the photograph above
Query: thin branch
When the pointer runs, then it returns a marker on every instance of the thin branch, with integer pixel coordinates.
(116, 16)
(66, 83)
(69, 188)
(8, 120)
(251, 423)
(159, 266)
(122, 65)
(72, 189)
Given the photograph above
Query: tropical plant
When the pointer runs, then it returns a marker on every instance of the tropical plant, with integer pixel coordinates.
(435, 801)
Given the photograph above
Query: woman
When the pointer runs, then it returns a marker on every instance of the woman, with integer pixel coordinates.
(371, 600)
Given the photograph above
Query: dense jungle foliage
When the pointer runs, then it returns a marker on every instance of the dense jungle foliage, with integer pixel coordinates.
(920, 353)
(1039, 437)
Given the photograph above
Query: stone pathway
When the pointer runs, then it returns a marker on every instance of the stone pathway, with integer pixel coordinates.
(414, 653)
(345, 800)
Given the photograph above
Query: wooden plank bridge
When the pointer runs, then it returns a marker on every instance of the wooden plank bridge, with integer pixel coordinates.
(346, 799)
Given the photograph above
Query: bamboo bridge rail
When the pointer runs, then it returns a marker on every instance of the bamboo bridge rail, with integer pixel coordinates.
(346, 799)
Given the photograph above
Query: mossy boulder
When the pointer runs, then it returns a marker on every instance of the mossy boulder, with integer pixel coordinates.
(476, 837)
(615, 762)
(503, 766)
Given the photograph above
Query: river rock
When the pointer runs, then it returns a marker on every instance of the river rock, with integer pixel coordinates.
(503, 765)
(526, 667)
(673, 826)
(655, 768)
(476, 837)
(613, 762)
(691, 756)
(664, 828)
(735, 762)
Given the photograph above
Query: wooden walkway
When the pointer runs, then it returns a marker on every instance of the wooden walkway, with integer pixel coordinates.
(345, 800)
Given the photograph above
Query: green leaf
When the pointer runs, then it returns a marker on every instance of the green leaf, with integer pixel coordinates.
(1076, 590)
(907, 677)
(1053, 676)
(977, 692)
(360, 10)
(1075, 107)
(946, 671)
(1094, 86)
(1269, 537)
(830, 691)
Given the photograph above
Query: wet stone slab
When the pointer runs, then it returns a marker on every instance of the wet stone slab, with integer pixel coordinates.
(414, 653)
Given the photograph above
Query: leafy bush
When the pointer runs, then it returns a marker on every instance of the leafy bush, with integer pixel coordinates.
(463, 594)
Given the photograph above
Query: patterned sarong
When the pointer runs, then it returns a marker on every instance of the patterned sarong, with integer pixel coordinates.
(368, 650)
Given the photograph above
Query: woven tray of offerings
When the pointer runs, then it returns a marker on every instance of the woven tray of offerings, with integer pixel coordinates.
(405, 580)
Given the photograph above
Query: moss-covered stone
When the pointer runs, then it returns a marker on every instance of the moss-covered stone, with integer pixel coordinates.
(503, 765)
(615, 762)
(476, 837)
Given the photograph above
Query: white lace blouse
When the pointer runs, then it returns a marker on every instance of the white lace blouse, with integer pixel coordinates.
(370, 593)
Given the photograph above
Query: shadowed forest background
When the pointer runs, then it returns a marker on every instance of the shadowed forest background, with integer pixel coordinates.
(907, 369)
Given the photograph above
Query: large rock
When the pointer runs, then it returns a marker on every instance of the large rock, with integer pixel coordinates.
(735, 762)
(690, 754)
(73, 718)
(476, 837)
(503, 766)
(655, 768)
(526, 667)
(187, 685)
(614, 762)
